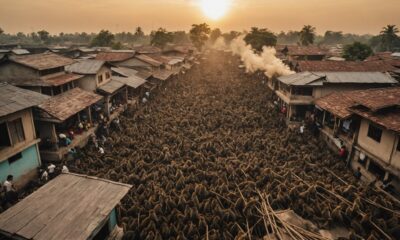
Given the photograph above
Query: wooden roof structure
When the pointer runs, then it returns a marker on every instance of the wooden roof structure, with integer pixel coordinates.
(131, 81)
(163, 74)
(114, 56)
(111, 87)
(71, 206)
(61, 107)
(14, 99)
(153, 62)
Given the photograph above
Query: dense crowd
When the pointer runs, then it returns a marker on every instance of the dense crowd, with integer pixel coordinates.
(205, 149)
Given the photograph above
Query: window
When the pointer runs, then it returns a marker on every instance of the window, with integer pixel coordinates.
(4, 138)
(375, 133)
(16, 131)
(100, 78)
(108, 75)
(14, 158)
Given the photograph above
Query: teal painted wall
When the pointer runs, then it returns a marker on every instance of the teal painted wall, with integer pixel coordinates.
(28, 162)
(112, 222)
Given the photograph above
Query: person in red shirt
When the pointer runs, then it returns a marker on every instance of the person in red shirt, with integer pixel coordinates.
(343, 152)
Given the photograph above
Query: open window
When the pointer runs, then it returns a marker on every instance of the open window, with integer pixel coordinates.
(5, 140)
(16, 130)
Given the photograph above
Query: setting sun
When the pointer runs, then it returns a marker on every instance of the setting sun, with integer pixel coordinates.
(215, 9)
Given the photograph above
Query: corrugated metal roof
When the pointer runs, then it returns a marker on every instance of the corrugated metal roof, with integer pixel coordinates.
(71, 206)
(132, 81)
(111, 87)
(88, 66)
(149, 60)
(301, 79)
(20, 51)
(114, 56)
(67, 104)
(144, 74)
(147, 49)
(343, 66)
(162, 74)
(14, 99)
(42, 61)
(319, 78)
(126, 72)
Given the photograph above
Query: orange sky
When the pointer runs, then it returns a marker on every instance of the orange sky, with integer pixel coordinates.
(358, 16)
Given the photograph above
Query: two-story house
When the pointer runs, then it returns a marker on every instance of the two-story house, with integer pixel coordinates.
(19, 152)
(43, 73)
(297, 92)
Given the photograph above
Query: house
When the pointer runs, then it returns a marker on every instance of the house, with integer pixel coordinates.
(43, 73)
(71, 206)
(97, 77)
(368, 123)
(148, 50)
(19, 152)
(135, 83)
(62, 114)
(297, 92)
(296, 53)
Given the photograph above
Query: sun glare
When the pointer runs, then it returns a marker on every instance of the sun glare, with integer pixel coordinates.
(215, 9)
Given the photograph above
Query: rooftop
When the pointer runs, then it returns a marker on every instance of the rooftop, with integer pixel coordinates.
(114, 56)
(163, 74)
(126, 72)
(111, 87)
(42, 61)
(63, 106)
(149, 60)
(88, 66)
(376, 99)
(70, 206)
(295, 50)
(320, 78)
(131, 81)
(147, 49)
(56, 80)
(14, 99)
(343, 66)
(337, 103)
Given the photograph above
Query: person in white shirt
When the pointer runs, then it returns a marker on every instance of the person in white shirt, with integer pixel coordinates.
(144, 100)
(65, 169)
(11, 192)
(101, 150)
(45, 176)
(51, 168)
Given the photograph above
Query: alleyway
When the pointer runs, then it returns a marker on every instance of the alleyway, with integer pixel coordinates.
(199, 151)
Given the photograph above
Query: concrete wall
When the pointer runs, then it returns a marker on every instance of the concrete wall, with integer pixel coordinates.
(10, 70)
(382, 150)
(24, 169)
(29, 132)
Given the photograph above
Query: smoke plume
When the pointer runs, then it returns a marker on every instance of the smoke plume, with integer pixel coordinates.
(266, 61)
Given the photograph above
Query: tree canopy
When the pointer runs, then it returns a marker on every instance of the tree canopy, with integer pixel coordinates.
(161, 37)
(332, 37)
(230, 36)
(215, 34)
(258, 38)
(199, 34)
(389, 38)
(104, 39)
(307, 35)
(44, 36)
(1, 31)
(357, 51)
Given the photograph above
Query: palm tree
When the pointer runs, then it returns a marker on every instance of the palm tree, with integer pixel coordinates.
(307, 35)
(389, 37)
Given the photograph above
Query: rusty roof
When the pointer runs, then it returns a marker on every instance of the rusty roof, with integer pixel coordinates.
(163, 74)
(337, 103)
(87, 66)
(42, 61)
(343, 66)
(147, 49)
(14, 99)
(389, 119)
(114, 56)
(376, 99)
(149, 60)
(295, 50)
(111, 87)
(144, 74)
(46, 82)
(67, 104)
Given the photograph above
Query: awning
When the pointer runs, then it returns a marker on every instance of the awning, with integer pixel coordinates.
(111, 87)
(132, 81)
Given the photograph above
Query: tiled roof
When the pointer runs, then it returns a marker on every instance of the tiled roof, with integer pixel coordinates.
(14, 99)
(376, 99)
(114, 56)
(42, 61)
(343, 66)
(337, 103)
(63, 106)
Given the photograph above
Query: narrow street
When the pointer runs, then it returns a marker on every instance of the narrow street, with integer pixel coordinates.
(203, 149)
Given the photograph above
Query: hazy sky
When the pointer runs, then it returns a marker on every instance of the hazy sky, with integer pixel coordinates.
(358, 16)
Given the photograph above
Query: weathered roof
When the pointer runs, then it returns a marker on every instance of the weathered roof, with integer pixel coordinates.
(343, 66)
(388, 119)
(70, 206)
(42, 61)
(337, 103)
(295, 50)
(46, 82)
(114, 56)
(376, 99)
(88, 66)
(111, 87)
(126, 72)
(20, 51)
(14, 99)
(67, 104)
(319, 78)
(162, 74)
(144, 74)
(131, 81)
(149, 60)
(147, 49)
